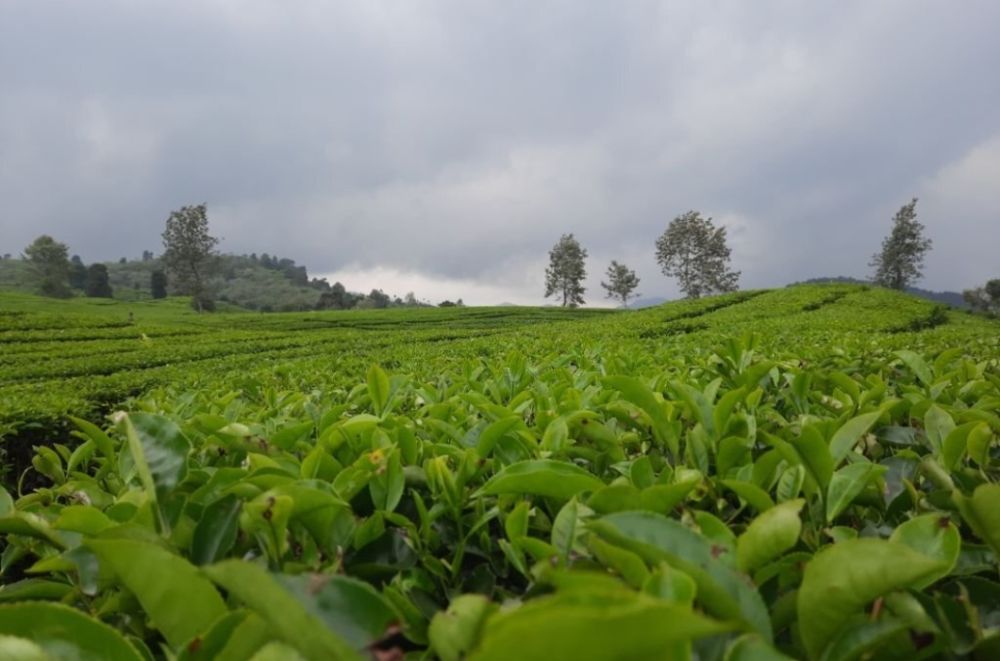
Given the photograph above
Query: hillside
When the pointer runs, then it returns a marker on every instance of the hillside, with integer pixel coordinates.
(264, 283)
(95, 355)
(951, 298)
(761, 473)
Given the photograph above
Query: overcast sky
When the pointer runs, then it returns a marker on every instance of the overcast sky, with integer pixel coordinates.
(443, 147)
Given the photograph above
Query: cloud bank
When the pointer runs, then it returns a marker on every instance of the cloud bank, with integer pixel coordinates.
(449, 144)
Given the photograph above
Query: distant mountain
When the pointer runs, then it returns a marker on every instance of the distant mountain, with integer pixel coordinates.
(952, 298)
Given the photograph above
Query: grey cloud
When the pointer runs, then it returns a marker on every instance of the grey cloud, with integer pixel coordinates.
(461, 139)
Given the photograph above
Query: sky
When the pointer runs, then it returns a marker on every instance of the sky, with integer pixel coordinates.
(444, 147)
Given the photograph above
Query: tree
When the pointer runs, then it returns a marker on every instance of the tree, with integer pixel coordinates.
(77, 273)
(694, 250)
(984, 299)
(899, 264)
(622, 281)
(158, 284)
(50, 262)
(98, 284)
(189, 253)
(566, 271)
(379, 298)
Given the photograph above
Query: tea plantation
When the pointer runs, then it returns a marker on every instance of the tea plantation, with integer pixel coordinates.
(806, 473)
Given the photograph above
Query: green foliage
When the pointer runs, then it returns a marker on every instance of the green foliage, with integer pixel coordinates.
(158, 284)
(621, 283)
(189, 252)
(693, 250)
(984, 299)
(566, 271)
(49, 260)
(901, 259)
(77, 273)
(503, 483)
(98, 285)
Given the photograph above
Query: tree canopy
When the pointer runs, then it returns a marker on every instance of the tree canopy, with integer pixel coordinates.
(621, 283)
(189, 252)
(693, 250)
(566, 271)
(98, 284)
(899, 263)
(50, 261)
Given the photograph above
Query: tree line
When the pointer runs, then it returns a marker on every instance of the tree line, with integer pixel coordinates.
(191, 266)
(691, 249)
(694, 251)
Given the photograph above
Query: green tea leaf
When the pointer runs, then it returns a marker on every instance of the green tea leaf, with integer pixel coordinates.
(850, 433)
(542, 477)
(815, 455)
(917, 365)
(282, 611)
(64, 633)
(769, 535)
(175, 596)
(638, 393)
(216, 531)
(842, 579)
(618, 625)
(352, 609)
(935, 536)
(723, 591)
(378, 388)
(938, 424)
(847, 483)
(982, 512)
(455, 632)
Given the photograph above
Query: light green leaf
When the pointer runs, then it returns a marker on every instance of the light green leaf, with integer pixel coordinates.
(556, 436)
(494, 432)
(769, 535)
(638, 393)
(175, 596)
(847, 483)
(350, 608)
(815, 455)
(456, 631)
(723, 591)
(938, 424)
(843, 578)
(935, 536)
(64, 633)
(286, 616)
(620, 625)
(378, 388)
(982, 512)
(917, 365)
(159, 451)
(850, 433)
(542, 477)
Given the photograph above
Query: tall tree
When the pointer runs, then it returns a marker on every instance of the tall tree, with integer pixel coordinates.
(50, 261)
(694, 250)
(899, 263)
(158, 284)
(566, 271)
(98, 283)
(77, 273)
(189, 253)
(621, 283)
